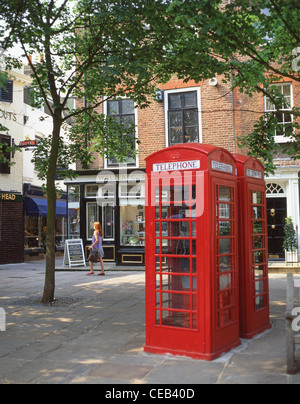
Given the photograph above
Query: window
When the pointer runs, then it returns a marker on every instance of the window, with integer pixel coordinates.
(132, 213)
(225, 232)
(176, 257)
(6, 93)
(274, 189)
(74, 212)
(259, 257)
(183, 119)
(31, 98)
(284, 114)
(92, 217)
(5, 141)
(122, 110)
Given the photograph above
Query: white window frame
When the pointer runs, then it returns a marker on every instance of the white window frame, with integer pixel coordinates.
(282, 139)
(111, 204)
(124, 165)
(166, 105)
(87, 222)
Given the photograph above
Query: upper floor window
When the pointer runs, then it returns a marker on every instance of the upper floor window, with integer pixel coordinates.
(6, 93)
(123, 110)
(182, 114)
(283, 112)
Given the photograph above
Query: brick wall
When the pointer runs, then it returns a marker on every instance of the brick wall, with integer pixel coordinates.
(225, 116)
(11, 232)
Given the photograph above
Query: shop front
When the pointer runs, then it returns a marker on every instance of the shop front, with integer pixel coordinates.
(117, 201)
(35, 222)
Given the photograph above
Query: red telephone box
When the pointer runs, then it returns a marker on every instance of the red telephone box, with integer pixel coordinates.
(253, 246)
(192, 277)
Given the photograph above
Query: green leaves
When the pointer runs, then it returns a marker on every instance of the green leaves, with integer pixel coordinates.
(249, 43)
(290, 237)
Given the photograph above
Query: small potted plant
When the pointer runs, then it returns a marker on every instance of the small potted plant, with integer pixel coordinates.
(290, 243)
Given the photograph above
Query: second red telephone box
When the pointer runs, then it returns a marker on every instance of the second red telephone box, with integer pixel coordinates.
(192, 276)
(253, 246)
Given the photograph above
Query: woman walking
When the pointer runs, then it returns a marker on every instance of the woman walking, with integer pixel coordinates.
(96, 249)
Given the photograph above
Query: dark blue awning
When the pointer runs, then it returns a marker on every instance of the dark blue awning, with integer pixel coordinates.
(35, 206)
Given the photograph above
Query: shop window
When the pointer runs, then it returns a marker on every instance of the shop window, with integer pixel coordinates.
(132, 213)
(108, 221)
(92, 217)
(132, 225)
(123, 110)
(74, 212)
(183, 117)
(36, 230)
(91, 191)
(105, 191)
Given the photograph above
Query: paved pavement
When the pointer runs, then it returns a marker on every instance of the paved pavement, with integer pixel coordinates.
(95, 334)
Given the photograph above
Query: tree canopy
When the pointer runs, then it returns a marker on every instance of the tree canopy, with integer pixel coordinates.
(89, 49)
(253, 44)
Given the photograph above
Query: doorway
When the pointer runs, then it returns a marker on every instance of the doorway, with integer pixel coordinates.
(277, 213)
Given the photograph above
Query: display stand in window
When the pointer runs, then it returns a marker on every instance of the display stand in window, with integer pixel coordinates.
(132, 226)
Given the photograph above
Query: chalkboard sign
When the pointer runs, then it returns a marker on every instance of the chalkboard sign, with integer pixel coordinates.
(74, 253)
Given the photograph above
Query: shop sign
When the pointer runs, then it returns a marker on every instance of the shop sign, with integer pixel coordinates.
(8, 115)
(74, 253)
(28, 143)
(10, 197)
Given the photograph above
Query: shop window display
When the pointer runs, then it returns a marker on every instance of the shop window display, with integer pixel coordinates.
(74, 212)
(132, 225)
(35, 232)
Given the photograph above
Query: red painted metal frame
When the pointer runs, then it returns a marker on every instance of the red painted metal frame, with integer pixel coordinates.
(192, 282)
(253, 246)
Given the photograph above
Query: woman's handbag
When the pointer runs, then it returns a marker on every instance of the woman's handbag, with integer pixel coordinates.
(94, 256)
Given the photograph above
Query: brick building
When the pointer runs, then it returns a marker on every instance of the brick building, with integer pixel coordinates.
(283, 186)
(11, 178)
(184, 112)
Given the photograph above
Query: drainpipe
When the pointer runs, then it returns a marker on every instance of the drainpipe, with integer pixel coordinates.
(233, 116)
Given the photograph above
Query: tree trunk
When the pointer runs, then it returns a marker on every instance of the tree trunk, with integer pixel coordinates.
(49, 288)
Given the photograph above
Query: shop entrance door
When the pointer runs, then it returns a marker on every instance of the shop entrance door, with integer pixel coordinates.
(277, 213)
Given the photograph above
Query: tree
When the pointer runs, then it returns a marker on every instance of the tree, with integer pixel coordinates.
(121, 48)
(90, 48)
(253, 44)
(290, 237)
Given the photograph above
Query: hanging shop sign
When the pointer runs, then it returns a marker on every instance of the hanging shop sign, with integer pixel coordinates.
(28, 143)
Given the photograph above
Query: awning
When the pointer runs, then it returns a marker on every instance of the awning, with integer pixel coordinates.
(35, 206)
